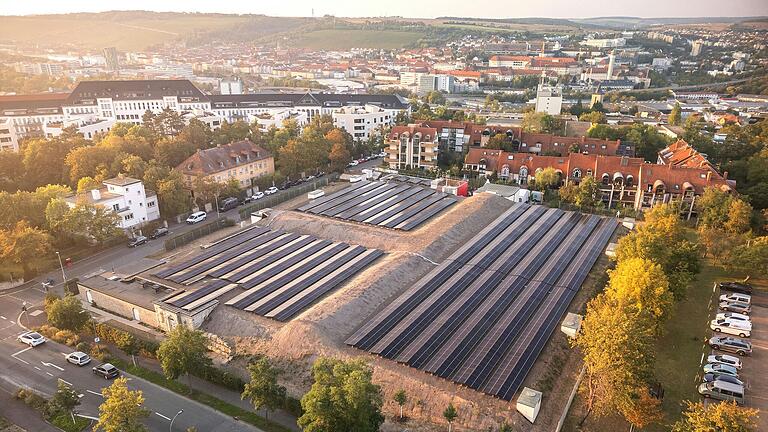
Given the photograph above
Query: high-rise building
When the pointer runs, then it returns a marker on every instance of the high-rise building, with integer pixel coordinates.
(232, 86)
(549, 99)
(696, 47)
(112, 58)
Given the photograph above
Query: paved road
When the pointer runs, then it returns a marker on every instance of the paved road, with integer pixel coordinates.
(41, 367)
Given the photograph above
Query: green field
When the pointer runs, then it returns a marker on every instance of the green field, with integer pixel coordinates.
(349, 38)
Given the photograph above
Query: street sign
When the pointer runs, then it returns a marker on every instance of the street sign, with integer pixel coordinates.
(96, 340)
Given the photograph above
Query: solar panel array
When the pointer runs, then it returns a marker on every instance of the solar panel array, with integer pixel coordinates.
(390, 204)
(277, 273)
(482, 317)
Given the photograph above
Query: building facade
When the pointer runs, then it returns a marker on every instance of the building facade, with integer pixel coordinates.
(549, 99)
(125, 196)
(412, 146)
(363, 122)
(242, 161)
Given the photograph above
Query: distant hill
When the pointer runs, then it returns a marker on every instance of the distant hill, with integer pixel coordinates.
(620, 22)
(136, 30)
(549, 22)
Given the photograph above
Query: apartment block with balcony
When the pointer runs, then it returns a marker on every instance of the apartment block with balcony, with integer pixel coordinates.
(125, 196)
(412, 146)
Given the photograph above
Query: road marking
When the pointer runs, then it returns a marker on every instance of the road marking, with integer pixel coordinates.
(93, 392)
(51, 365)
(22, 351)
(36, 312)
(80, 395)
(66, 382)
(167, 418)
(3, 317)
(36, 367)
(50, 374)
(88, 417)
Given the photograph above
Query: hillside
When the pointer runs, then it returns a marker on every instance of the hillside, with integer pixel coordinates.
(135, 30)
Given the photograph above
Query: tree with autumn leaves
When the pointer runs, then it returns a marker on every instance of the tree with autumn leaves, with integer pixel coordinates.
(654, 265)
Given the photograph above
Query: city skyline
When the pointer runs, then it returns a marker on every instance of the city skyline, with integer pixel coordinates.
(424, 9)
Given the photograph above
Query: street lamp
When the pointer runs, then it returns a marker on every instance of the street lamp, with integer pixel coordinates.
(63, 275)
(170, 427)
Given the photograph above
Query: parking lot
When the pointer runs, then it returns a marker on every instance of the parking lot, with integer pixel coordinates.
(755, 367)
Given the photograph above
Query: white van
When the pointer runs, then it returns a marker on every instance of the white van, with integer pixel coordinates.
(722, 390)
(731, 326)
(736, 297)
(196, 217)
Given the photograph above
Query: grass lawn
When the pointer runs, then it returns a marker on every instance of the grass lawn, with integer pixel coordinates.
(64, 422)
(350, 38)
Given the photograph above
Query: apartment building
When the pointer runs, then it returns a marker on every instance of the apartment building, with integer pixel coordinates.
(549, 99)
(9, 141)
(243, 161)
(624, 181)
(25, 116)
(125, 196)
(412, 146)
(362, 122)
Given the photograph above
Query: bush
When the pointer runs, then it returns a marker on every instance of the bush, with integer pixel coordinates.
(48, 331)
(222, 378)
(31, 398)
(122, 339)
(66, 337)
(83, 347)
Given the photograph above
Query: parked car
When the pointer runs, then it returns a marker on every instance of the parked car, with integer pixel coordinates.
(733, 316)
(107, 370)
(159, 233)
(228, 204)
(137, 241)
(735, 286)
(257, 196)
(48, 283)
(734, 327)
(725, 359)
(270, 191)
(731, 344)
(738, 307)
(353, 163)
(196, 217)
(736, 297)
(79, 358)
(722, 391)
(727, 378)
(721, 369)
(32, 339)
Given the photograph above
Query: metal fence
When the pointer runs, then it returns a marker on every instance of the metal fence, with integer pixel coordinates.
(285, 195)
(203, 230)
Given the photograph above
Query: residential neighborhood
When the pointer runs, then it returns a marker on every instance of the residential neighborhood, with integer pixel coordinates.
(328, 218)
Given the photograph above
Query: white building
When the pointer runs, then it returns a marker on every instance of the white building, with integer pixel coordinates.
(267, 120)
(9, 141)
(443, 83)
(231, 86)
(662, 63)
(126, 197)
(549, 99)
(362, 122)
(605, 43)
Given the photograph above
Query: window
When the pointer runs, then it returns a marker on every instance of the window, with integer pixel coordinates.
(151, 204)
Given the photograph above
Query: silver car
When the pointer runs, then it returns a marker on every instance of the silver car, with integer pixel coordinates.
(79, 358)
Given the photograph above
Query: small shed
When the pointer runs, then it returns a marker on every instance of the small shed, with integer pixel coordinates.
(571, 325)
(629, 223)
(529, 403)
(611, 249)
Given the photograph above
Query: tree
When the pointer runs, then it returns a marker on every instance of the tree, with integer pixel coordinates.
(342, 398)
(751, 257)
(183, 352)
(173, 197)
(207, 190)
(662, 239)
(122, 409)
(450, 415)
(587, 193)
(94, 222)
(63, 401)
(86, 184)
(717, 417)
(739, 217)
(537, 122)
(25, 246)
(641, 284)
(548, 178)
(263, 390)
(675, 116)
(11, 171)
(66, 313)
(339, 157)
(435, 98)
(595, 117)
(617, 342)
(400, 398)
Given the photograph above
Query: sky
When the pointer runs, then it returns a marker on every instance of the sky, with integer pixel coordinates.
(409, 8)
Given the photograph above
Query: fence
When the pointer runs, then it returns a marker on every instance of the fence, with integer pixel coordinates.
(203, 230)
(285, 195)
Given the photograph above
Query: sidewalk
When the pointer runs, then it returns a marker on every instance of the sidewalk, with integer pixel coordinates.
(21, 415)
(282, 417)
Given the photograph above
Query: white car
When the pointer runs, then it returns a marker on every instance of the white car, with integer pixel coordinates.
(270, 191)
(79, 358)
(735, 327)
(257, 195)
(353, 163)
(725, 359)
(31, 338)
(736, 297)
(196, 217)
(733, 316)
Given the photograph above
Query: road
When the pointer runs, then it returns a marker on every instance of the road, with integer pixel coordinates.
(41, 367)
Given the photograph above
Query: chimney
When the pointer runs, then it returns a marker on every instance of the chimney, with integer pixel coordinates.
(95, 194)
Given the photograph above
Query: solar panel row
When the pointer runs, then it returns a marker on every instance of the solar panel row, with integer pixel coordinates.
(390, 204)
(280, 273)
(482, 317)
